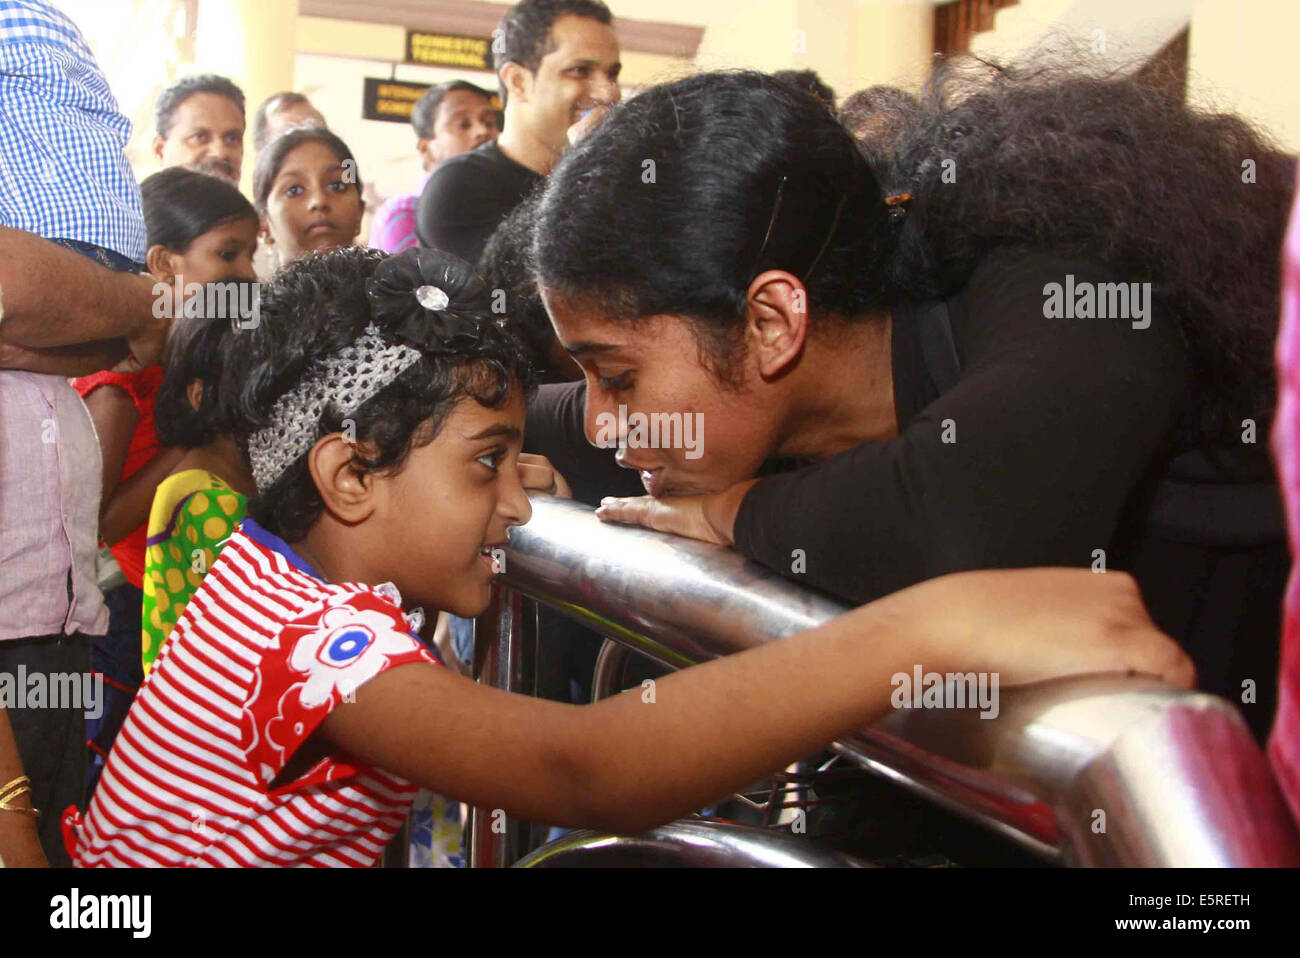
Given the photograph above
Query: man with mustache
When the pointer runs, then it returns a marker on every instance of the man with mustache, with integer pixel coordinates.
(557, 63)
(200, 125)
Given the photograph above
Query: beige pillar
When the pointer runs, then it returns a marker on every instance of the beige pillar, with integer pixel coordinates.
(253, 43)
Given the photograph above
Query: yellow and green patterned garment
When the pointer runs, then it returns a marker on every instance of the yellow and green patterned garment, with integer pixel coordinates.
(194, 513)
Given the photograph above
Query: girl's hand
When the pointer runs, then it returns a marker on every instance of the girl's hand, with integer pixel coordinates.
(536, 472)
(1035, 624)
(710, 518)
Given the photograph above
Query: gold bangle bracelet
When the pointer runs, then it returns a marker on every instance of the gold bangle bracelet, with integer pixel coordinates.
(15, 788)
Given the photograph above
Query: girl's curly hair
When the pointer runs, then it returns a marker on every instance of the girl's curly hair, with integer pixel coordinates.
(322, 303)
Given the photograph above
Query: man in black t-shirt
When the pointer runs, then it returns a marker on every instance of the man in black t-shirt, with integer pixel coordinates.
(557, 61)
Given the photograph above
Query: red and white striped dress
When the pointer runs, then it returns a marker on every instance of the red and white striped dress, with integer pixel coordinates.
(263, 653)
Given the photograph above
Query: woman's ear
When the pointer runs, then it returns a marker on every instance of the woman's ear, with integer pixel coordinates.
(347, 493)
(776, 321)
(194, 393)
(161, 263)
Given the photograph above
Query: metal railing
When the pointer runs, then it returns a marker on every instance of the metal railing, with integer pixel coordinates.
(1090, 771)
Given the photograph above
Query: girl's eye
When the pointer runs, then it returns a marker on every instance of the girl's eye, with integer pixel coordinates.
(492, 459)
(338, 186)
(621, 381)
(293, 190)
(228, 255)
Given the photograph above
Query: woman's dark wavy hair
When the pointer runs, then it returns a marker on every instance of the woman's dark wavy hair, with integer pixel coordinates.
(196, 350)
(311, 310)
(181, 205)
(270, 159)
(1111, 169)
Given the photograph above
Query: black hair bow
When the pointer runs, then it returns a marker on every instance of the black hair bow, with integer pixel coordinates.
(430, 300)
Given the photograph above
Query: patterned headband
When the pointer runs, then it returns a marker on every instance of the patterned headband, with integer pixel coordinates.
(345, 381)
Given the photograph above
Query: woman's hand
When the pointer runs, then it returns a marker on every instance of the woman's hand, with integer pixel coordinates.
(710, 518)
(536, 472)
(1029, 625)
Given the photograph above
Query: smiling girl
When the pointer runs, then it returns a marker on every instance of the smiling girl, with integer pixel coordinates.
(291, 715)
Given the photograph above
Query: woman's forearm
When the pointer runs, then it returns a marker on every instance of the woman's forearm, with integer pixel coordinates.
(19, 845)
(51, 296)
(67, 361)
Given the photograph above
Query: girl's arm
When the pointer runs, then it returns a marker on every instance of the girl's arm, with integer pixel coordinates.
(115, 418)
(131, 501)
(635, 761)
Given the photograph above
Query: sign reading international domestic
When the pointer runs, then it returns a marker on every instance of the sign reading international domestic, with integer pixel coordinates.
(391, 100)
(448, 50)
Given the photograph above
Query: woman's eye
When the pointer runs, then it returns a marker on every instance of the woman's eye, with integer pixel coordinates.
(621, 381)
(228, 255)
(492, 459)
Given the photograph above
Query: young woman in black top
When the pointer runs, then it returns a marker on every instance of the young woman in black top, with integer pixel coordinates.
(945, 362)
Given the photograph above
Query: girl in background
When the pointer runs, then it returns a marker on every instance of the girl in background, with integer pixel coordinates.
(308, 191)
(199, 228)
(198, 505)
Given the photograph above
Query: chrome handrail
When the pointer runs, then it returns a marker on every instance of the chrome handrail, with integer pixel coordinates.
(1089, 771)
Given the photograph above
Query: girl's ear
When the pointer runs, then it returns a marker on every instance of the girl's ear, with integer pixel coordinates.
(161, 263)
(348, 494)
(264, 230)
(194, 393)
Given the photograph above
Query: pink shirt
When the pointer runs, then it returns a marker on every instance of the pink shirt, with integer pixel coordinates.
(393, 228)
(49, 509)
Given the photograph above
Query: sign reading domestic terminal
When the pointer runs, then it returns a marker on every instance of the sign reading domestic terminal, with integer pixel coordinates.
(448, 50)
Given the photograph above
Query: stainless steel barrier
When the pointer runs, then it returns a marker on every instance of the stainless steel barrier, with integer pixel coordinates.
(1089, 771)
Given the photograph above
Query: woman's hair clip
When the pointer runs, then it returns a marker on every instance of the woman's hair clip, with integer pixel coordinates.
(897, 205)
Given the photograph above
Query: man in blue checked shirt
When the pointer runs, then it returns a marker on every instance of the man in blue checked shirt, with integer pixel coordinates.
(71, 302)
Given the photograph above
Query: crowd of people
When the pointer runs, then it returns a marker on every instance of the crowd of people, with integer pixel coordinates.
(303, 450)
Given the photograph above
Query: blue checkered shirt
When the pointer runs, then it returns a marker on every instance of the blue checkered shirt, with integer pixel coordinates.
(62, 170)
